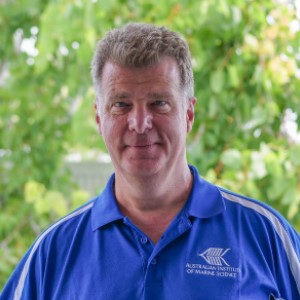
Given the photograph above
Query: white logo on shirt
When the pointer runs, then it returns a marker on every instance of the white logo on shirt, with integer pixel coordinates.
(216, 264)
(214, 256)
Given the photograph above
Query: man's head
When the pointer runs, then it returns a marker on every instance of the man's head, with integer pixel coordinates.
(142, 45)
(145, 104)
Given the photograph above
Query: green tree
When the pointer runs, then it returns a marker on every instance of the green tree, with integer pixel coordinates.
(246, 65)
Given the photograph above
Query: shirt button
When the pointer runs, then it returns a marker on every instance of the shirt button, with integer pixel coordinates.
(154, 261)
(144, 240)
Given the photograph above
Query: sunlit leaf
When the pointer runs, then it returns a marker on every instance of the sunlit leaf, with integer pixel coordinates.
(217, 81)
(33, 191)
(232, 158)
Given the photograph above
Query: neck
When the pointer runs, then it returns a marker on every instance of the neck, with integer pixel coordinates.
(152, 203)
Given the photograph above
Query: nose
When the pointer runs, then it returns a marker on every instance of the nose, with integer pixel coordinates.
(140, 120)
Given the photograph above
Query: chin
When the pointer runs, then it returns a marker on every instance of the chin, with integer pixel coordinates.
(143, 168)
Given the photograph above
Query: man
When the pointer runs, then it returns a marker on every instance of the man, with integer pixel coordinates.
(158, 230)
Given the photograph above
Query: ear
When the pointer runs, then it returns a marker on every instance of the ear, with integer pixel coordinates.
(190, 113)
(97, 117)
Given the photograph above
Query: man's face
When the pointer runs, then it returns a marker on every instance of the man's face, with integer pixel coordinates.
(144, 117)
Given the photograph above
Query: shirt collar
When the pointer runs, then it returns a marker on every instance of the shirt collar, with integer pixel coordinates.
(205, 201)
(105, 210)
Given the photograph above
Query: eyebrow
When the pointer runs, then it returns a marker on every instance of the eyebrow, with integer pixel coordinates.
(155, 95)
(117, 96)
(150, 95)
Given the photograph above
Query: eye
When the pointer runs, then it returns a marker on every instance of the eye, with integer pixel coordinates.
(120, 104)
(119, 107)
(161, 106)
(159, 103)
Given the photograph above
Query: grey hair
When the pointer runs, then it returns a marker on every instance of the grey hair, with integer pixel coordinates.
(142, 45)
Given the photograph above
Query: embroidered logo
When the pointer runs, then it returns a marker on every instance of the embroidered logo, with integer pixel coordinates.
(215, 256)
(213, 262)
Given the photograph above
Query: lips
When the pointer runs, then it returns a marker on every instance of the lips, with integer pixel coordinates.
(142, 146)
(141, 142)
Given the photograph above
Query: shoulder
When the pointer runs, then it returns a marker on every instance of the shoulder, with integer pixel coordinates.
(260, 220)
(78, 217)
(257, 210)
(268, 231)
(66, 228)
(28, 275)
(59, 233)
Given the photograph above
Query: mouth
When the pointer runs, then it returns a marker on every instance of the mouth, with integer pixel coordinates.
(142, 146)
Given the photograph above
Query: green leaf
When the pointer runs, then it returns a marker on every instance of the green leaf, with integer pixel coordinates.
(234, 79)
(217, 81)
(33, 191)
(289, 196)
(213, 108)
(232, 158)
(294, 154)
(56, 202)
(258, 167)
(79, 197)
(294, 207)
(236, 15)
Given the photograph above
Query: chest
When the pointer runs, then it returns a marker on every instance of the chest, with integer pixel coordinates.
(188, 262)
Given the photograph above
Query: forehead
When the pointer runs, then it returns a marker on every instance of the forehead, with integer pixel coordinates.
(165, 73)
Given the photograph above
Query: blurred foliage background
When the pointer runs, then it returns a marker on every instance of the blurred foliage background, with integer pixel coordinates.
(246, 57)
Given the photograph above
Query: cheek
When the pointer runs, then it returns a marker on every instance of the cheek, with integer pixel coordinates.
(112, 128)
(175, 128)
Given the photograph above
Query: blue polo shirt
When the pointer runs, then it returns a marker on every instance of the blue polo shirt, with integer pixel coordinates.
(220, 246)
